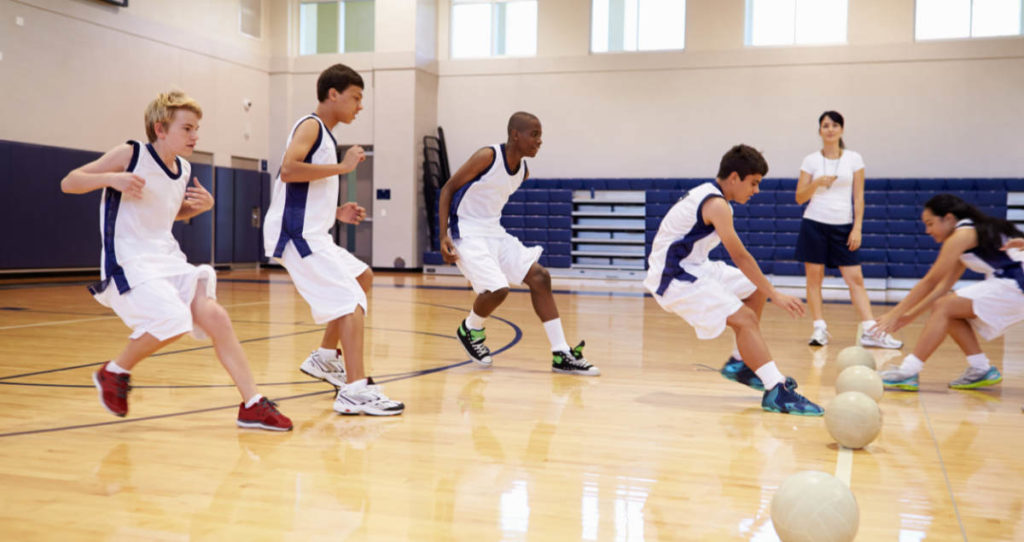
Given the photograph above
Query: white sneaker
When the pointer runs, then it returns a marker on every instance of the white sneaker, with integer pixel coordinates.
(883, 341)
(364, 397)
(819, 337)
(328, 370)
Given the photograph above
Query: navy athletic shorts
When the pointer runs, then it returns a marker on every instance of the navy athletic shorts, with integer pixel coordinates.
(825, 244)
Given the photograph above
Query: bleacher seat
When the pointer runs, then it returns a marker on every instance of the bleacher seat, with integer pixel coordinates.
(894, 243)
(532, 221)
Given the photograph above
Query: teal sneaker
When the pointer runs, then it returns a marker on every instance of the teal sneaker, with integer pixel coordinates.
(894, 379)
(785, 400)
(737, 371)
(473, 341)
(977, 378)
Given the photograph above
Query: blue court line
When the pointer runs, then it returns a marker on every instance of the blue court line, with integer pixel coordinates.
(383, 379)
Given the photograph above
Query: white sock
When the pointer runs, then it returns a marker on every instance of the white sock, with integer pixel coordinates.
(357, 384)
(911, 365)
(253, 400)
(736, 353)
(475, 321)
(866, 325)
(770, 375)
(113, 367)
(820, 324)
(328, 354)
(979, 361)
(556, 336)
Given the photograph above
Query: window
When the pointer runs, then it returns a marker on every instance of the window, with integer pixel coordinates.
(249, 19)
(944, 19)
(335, 27)
(637, 25)
(483, 28)
(796, 22)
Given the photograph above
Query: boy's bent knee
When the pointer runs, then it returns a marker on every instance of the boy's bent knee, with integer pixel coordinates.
(499, 294)
(538, 277)
(365, 279)
(742, 318)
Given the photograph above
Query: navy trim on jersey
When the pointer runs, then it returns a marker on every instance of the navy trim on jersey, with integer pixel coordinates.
(1003, 266)
(453, 212)
(319, 138)
(326, 130)
(163, 166)
(111, 269)
(504, 160)
(293, 218)
(135, 155)
(111, 203)
(682, 248)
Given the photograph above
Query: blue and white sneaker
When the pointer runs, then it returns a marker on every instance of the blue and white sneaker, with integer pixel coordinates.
(895, 379)
(977, 378)
(783, 399)
(737, 371)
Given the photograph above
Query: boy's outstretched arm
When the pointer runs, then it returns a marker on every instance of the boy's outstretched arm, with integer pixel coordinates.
(717, 213)
(294, 168)
(477, 164)
(105, 171)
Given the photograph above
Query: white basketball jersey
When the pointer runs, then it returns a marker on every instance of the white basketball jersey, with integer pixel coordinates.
(136, 232)
(683, 238)
(476, 208)
(303, 213)
(1008, 264)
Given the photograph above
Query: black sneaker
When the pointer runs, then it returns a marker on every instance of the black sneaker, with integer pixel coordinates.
(572, 362)
(473, 341)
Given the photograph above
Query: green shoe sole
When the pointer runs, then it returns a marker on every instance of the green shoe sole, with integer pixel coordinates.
(904, 387)
(978, 384)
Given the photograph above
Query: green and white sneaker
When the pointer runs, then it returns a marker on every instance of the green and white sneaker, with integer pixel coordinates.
(473, 341)
(894, 379)
(977, 378)
(572, 362)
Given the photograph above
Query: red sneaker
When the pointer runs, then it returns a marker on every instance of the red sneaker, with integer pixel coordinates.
(263, 415)
(113, 390)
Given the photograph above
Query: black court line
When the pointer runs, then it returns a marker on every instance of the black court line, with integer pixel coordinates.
(383, 380)
(183, 350)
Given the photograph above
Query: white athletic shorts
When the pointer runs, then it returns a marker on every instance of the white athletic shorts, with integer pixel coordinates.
(493, 263)
(998, 304)
(162, 307)
(325, 280)
(706, 303)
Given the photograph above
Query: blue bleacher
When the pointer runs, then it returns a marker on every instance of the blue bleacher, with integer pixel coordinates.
(893, 245)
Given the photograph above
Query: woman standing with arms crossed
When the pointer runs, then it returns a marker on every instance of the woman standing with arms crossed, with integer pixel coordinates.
(832, 181)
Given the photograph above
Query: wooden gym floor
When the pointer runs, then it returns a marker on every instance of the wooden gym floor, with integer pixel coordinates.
(660, 447)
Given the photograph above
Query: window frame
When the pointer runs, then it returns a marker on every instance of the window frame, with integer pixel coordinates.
(494, 33)
(341, 36)
(638, 50)
(970, 27)
(748, 29)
